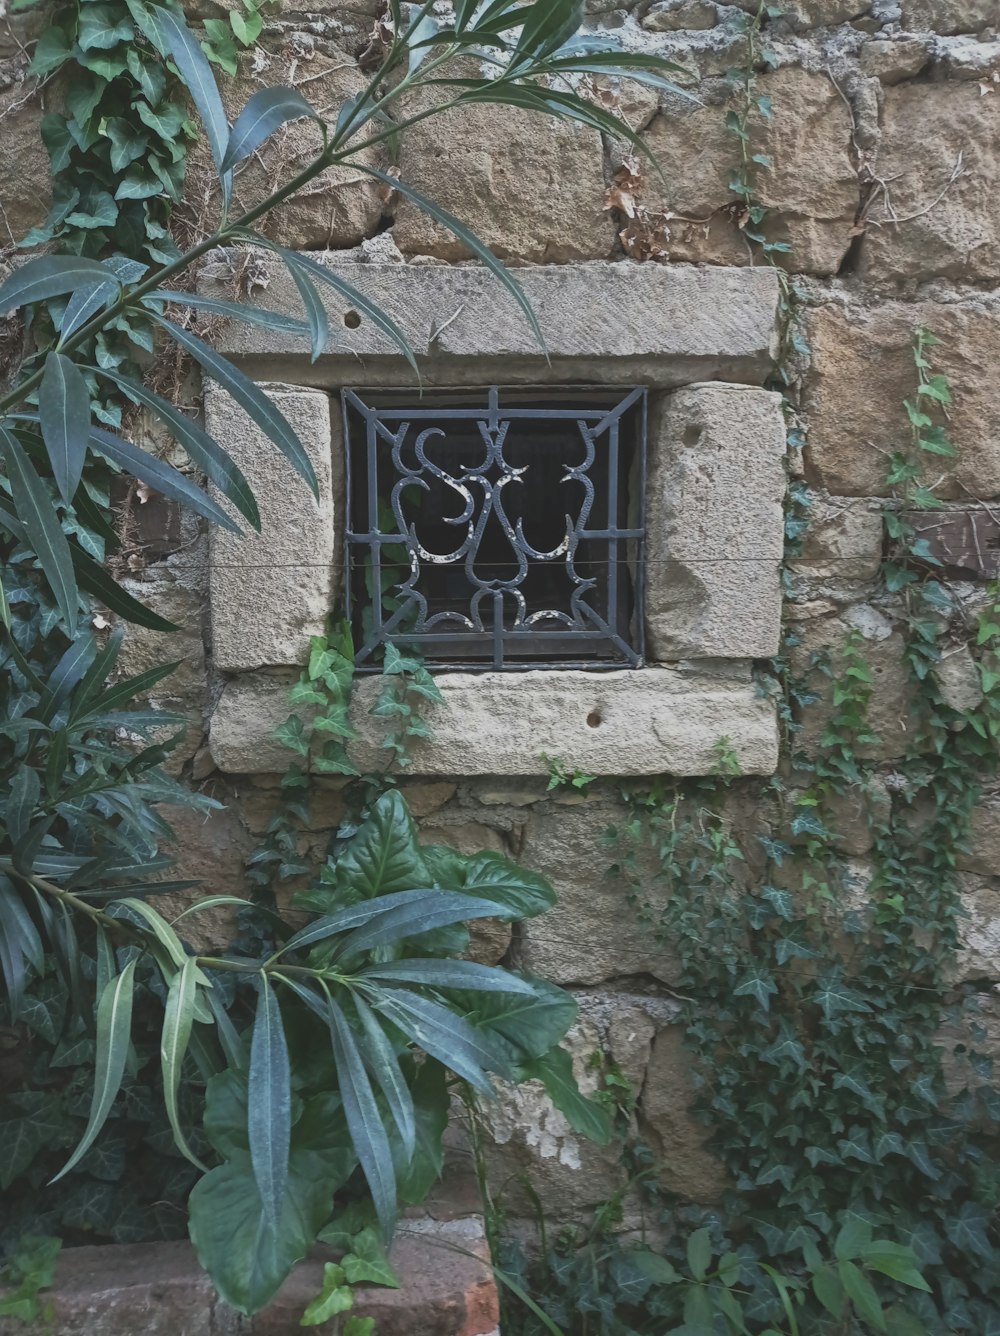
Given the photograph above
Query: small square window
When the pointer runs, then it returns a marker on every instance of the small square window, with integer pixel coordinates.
(497, 528)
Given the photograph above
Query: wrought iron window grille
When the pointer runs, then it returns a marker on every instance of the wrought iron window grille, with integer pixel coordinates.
(497, 528)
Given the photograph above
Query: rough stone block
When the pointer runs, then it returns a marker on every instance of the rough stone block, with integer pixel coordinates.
(24, 166)
(863, 370)
(613, 323)
(241, 738)
(947, 16)
(338, 208)
(531, 187)
(446, 1289)
(893, 61)
(979, 929)
(273, 590)
(812, 184)
(983, 852)
(686, 1166)
(939, 158)
(646, 721)
(715, 524)
(881, 645)
(592, 935)
(843, 541)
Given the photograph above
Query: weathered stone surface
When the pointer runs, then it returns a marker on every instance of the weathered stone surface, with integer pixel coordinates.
(686, 1166)
(271, 591)
(849, 816)
(211, 848)
(616, 323)
(529, 186)
(881, 645)
(979, 930)
(947, 16)
(843, 541)
(983, 853)
(641, 722)
(712, 577)
(812, 184)
(574, 943)
(823, 13)
(423, 799)
(446, 1289)
(937, 216)
(863, 370)
(241, 737)
(185, 691)
(677, 15)
(957, 677)
(24, 165)
(341, 206)
(972, 59)
(891, 62)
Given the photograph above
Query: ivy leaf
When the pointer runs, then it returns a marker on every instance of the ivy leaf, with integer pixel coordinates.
(967, 1229)
(335, 1297)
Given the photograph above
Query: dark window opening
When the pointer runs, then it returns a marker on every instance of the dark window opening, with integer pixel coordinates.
(497, 528)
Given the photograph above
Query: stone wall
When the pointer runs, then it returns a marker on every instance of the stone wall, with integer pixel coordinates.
(882, 172)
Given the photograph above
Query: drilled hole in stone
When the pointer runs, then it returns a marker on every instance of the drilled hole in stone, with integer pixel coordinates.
(351, 319)
(594, 719)
(692, 434)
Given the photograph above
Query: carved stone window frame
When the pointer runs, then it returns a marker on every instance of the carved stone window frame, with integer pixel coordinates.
(700, 340)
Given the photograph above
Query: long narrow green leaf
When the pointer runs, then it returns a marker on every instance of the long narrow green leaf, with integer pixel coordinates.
(199, 80)
(299, 265)
(207, 454)
(64, 414)
(469, 238)
(363, 1118)
(19, 943)
(412, 910)
(178, 1019)
(167, 480)
(269, 1113)
(49, 276)
(443, 1034)
(93, 578)
(250, 397)
(71, 669)
(37, 513)
(547, 24)
(23, 795)
(84, 303)
(319, 323)
(413, 919)
(266, 111)
(381, 1061)
(114, 1024)
(249, 315)
(122, 692)
(449, 974)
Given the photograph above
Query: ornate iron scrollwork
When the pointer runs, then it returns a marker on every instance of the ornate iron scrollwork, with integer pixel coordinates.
(497, 528)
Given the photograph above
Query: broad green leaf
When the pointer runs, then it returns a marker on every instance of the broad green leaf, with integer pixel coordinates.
(269, 1115)
(416, 1174)
(459, 229)
(829, 1290)
(449, 974)
(526, 894)
(64, 415)
(206, 453)
(363, 1118)
(178, 1018)
(384, 855)
(37, 513)
(896, 1261)
(862, 1295)
(699, 1253)
(50, 276)
(196, 73)
(167, 480)
(114, 1025)
(586, 1116)
(266, 111)
(853, 1238)
(250, 397)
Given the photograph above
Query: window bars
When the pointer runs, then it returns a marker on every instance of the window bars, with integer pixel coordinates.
(497, 528)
